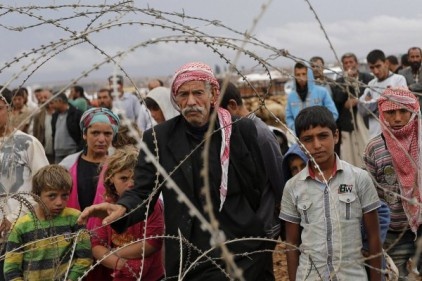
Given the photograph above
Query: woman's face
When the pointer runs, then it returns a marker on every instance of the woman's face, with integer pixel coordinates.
(123, 181)
(98, 138)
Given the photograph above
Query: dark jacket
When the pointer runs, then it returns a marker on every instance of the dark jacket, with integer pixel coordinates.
(238, 218)
(39, 125)
(340, 96)
(411, 83)
(72, 123)
(269, 209)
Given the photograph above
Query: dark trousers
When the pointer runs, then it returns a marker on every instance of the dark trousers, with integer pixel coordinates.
(2, 253)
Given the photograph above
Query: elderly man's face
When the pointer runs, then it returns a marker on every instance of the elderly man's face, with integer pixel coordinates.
(44, 96)
(350, 66)
(194, 101)
(415, 59)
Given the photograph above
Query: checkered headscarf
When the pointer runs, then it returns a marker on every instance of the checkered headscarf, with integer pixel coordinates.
(404, 142)
(198, 71)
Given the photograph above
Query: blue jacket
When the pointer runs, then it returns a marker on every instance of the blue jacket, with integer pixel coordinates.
(317, 95)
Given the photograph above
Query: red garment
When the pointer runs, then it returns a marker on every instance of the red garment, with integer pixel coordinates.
(153, 267)
(401, 143)
(99, 272)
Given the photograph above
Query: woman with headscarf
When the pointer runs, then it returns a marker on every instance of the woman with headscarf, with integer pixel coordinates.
(98, 126)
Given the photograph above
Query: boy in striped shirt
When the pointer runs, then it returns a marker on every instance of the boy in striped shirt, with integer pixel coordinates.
(393, 159)
(48, 244)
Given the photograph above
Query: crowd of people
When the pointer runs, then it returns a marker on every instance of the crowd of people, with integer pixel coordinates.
(81, 200)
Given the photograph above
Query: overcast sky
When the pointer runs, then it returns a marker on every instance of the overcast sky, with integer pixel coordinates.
(357, 26)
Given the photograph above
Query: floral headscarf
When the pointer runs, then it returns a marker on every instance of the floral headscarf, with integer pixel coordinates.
(99, 115)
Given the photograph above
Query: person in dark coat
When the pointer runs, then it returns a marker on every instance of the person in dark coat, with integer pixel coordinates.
(67, 136)
(352, 127)
(236, 178)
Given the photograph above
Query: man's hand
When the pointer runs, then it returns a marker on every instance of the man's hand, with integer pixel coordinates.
(351, 102)
(107, 211)
(352, 73)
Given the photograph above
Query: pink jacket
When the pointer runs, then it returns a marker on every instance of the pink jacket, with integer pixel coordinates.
(71, 164)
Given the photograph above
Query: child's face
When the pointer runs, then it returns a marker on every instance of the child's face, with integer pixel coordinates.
(123, 181)
(296, 164)
(157, 113)
(55, 201)
(319, 141)
(398, 118)
(18, 102)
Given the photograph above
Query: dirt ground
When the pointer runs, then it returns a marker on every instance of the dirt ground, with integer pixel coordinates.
(280, 265)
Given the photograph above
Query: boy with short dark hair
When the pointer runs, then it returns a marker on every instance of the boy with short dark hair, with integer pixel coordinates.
(383, 79)
(329, 199)
(393, 159)
(306, 93)
(48, 244)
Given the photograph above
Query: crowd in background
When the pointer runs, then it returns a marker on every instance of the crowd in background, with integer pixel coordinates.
(356, 161)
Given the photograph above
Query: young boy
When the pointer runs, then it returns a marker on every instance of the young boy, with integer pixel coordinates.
(294, 161)
(328, 199)
(393, 159)
(48, 244)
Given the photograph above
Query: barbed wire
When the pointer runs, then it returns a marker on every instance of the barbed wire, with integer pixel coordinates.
(183, 29)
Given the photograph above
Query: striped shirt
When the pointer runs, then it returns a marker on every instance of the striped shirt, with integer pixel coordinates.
(45, 249)
(379, 163)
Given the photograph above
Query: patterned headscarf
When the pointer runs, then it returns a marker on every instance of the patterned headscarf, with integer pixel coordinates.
(99, 115)
(198, 71)
(401, 143)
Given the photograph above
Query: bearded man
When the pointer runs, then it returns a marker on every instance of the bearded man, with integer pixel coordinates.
(413, 73)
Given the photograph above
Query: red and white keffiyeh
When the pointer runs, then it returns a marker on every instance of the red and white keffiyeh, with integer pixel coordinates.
(401, 143)
(198, 71)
